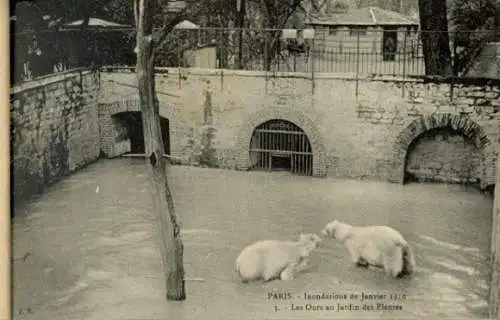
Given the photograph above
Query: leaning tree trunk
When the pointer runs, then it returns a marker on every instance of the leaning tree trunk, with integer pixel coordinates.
(497, 22)
(435, 38)
(171, 246)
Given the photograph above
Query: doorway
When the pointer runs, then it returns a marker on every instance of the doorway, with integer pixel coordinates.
(389, 43)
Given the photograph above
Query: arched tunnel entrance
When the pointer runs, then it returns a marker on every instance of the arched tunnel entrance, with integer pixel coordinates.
(280, 145)
(443, 155)
(131, 122)
(445, 147)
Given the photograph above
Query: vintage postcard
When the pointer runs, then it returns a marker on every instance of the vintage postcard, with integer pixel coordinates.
(254, 159)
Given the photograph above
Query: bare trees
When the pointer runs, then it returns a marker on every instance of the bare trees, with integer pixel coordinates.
(474, 25)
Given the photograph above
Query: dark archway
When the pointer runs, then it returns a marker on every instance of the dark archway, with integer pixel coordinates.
(280, 145)
(443, 155)
(297, 117)
(462, 125)
(131, 124)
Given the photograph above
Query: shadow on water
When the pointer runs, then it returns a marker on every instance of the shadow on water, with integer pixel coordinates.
(93, 254)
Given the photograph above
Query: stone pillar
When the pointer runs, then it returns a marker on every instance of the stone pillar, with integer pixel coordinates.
(487, 63)
(495, 253)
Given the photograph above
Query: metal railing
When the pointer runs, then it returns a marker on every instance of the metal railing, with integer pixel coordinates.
(367, 51)
(268, 50)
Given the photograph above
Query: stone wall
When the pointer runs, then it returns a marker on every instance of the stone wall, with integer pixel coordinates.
(469, 109)
(443, 155)
(364, 136)
(54, 129)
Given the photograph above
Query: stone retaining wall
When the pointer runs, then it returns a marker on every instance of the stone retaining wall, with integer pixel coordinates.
(54, 129)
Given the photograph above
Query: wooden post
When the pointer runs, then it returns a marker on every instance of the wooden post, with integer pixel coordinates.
(171, 246)
(404, 64)
(313, 67)
(241, 8)
(494, 296)
(357, 64)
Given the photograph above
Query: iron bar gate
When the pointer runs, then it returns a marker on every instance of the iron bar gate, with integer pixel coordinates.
(281, 145)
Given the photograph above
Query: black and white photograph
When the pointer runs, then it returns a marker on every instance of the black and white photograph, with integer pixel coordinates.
(254, 159)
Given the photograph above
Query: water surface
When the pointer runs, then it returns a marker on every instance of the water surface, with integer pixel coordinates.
(90, 252)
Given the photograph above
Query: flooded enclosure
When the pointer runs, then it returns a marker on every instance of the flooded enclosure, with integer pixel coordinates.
(280, 145)
(132, 129)
(87, 249)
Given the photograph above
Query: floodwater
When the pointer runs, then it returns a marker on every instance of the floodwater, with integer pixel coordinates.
(86, 248)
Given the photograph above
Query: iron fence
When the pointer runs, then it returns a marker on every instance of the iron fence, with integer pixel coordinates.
(270, 50)
(281, 145)
(390, 51)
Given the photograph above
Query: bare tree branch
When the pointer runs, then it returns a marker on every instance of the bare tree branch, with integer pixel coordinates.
(191, 9)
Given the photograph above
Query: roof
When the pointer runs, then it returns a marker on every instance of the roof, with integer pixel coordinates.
(186, 25)
(369, 16)
(96, 22)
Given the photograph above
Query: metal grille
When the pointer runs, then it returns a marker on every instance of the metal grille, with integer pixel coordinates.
(279, 145)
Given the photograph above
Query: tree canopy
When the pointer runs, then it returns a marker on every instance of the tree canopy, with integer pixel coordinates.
(47, 13)
(470, 22)
(474, 25)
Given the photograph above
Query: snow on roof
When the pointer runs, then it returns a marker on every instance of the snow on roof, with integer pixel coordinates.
(186, 25)
(96, 22)
(366, 16)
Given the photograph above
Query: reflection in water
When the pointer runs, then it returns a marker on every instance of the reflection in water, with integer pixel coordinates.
(93, 254)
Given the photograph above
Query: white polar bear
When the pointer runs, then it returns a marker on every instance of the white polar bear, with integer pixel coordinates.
(380, 246)
(270, 259)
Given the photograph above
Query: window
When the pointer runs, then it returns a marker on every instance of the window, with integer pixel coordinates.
(362, 31)
(332, 30)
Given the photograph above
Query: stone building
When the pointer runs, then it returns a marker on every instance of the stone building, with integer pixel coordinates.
(378, 31)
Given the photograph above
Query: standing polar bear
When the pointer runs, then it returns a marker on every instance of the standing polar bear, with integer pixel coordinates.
(380, 246)
(270, 259)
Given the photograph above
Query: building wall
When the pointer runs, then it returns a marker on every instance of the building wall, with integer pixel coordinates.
(54, 129)
(202, 58)
(362, 137)
(443, 155)
(370, 42)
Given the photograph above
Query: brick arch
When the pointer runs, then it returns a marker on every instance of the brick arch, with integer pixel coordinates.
(298, 118)
(113, 108)
(106, 124)
(462, 124)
